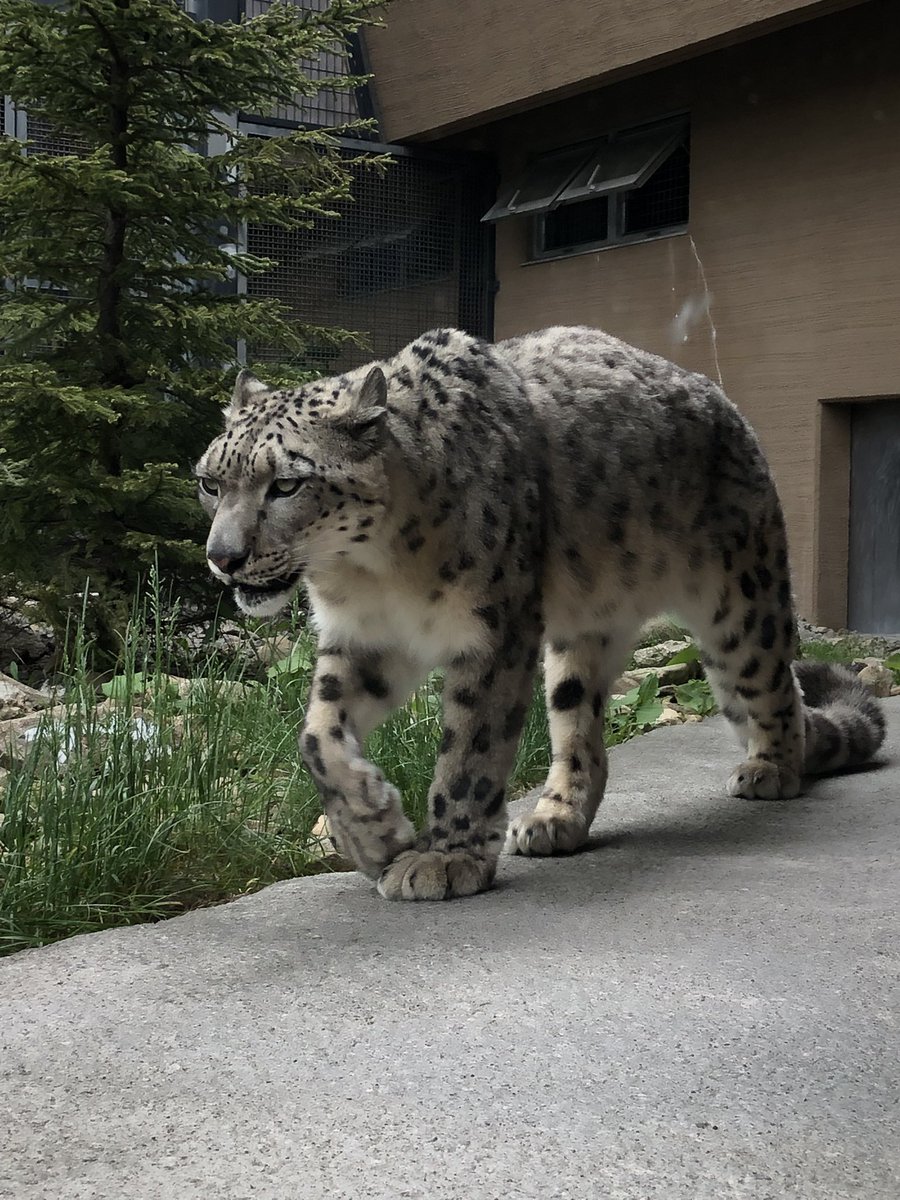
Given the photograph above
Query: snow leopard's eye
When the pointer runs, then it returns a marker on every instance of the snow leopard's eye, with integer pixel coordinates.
(210, 486)
(284, 487)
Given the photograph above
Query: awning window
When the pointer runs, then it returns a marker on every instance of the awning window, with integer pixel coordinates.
(584, 172)
(539, 185)
(621, 163)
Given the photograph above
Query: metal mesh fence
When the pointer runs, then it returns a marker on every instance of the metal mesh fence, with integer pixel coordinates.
(329, 106)
(663, 201)
(49, 140)
(406, 254)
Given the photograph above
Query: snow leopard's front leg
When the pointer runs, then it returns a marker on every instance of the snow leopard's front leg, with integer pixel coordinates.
(486, 699)
(352, 693)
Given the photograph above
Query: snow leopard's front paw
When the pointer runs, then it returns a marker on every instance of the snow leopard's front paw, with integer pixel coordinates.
(370, 845)
(758, 779)
(436, 875)
(559, 831)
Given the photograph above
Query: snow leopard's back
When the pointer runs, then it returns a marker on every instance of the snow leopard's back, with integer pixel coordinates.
(656, 481)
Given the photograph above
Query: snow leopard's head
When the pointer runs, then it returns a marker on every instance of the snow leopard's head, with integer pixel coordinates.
(295, 482)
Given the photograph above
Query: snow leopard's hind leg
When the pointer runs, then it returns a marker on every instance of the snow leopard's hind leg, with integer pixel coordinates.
(745, 624)
(578, 675)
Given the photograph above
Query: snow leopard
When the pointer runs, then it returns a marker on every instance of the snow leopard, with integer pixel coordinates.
(472, 507)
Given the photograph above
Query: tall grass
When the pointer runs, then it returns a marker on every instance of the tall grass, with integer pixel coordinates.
(151, 801)
(171, 793)
(159, 798)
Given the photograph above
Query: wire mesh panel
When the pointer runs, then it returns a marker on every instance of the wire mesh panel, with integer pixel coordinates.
(663, 201)
(407, 254)
(329, 106)
(47, 139)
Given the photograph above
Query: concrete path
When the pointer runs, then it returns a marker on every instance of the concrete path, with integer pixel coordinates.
(705, 1006)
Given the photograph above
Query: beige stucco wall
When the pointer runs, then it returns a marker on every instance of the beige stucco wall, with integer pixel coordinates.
(788, 284)
(443, 66)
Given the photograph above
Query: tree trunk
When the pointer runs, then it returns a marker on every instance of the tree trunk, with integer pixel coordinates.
(114, 366)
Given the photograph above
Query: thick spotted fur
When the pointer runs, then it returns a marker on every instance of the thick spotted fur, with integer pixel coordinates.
(468, 505)
(844, 723)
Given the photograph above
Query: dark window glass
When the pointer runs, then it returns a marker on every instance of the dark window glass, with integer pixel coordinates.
(576, 224)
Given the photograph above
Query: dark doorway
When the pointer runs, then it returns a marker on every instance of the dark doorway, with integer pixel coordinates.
(874, 568)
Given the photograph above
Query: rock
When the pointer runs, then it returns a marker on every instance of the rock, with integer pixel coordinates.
(625, 683)
(877, 678)
(256, 649)
(16, 736)
(659, 654)
(17, 699)
(679, 673)
(182, 687)
(221, 689)
(659, 629)
(12, 708)
(669, 716)
(815, 633)
(273, 649)
(28, 644)
(10, 686)
(172, 685)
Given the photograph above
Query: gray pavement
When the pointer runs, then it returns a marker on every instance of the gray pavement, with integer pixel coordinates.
(703, 1006)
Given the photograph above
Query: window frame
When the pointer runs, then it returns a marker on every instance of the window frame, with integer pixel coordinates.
(615, 199)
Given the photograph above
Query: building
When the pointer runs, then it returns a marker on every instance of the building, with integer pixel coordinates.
(718, 183)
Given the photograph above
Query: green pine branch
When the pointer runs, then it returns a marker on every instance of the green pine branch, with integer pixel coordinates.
(112, 331)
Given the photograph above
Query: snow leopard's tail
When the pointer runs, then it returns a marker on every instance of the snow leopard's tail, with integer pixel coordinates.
(844, 721)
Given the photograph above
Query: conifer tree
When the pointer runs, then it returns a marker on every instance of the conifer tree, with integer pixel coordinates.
(116, 318)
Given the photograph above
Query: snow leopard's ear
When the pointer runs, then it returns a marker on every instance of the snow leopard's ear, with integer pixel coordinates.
(362, 414)
(247, 391)
(373, 393)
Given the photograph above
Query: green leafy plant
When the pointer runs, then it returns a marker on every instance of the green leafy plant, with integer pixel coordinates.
(300, 661)
(690, 653)
(841, 650)
(164, 796)
(634, 711)
(122, 687)
(696, 697)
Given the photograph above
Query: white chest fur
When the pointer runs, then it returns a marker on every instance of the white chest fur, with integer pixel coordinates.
(376, 612)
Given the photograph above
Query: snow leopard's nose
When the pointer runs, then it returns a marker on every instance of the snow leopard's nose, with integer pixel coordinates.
(228, 561)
